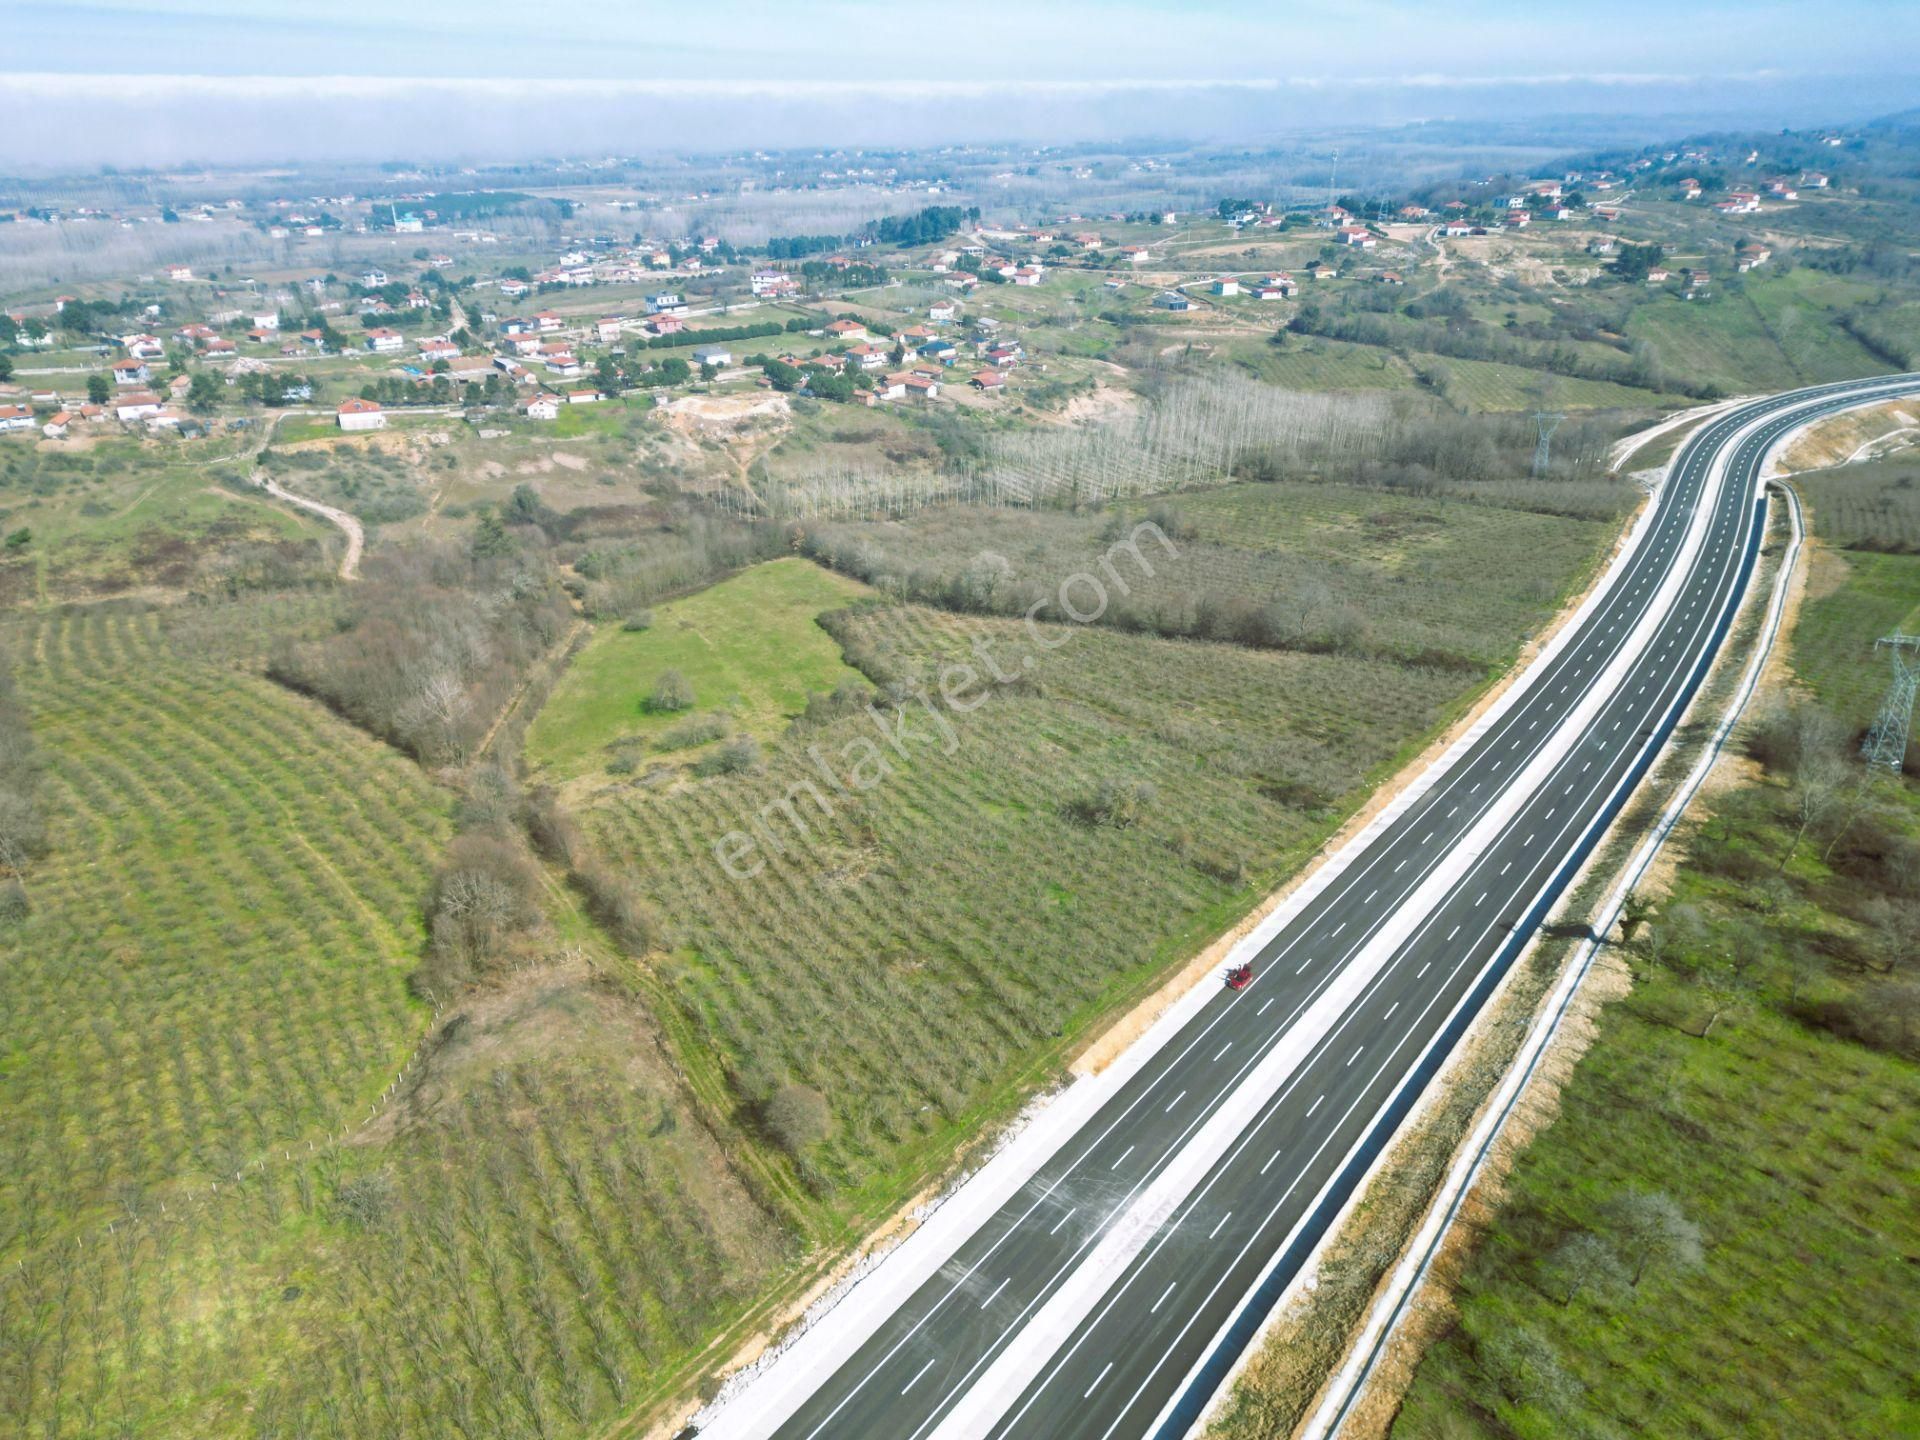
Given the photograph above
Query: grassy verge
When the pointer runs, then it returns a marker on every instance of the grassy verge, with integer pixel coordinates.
(1713, 1238)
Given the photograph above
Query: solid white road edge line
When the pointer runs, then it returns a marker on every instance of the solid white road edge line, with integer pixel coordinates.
(1002, 1382)
(1347, 1383)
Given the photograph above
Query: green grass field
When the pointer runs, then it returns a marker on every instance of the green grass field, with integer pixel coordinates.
(123, 514)
(749, 647)
(1490, 385)
(1770, 332)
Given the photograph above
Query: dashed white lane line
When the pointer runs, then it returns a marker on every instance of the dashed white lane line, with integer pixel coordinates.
(1315, 1105)
(1063, 1220)
(1123, 1155)
(1097, 1379)
(1263, 1007)
(1173, 1102)
(1270, 1159)
(1356, 1055)
(996, 1293)
(1163, 1297)
(1390, 1009)
(916, 1376)
(1226, 1047)
(1220, 1226)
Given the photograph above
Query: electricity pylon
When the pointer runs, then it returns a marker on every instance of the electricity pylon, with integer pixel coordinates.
(1886, 742)
(1547, 421)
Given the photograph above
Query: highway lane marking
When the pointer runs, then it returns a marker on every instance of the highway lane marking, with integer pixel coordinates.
(1355, 1056)
(1370, 894)
(1096, 1381)
(1390, 1009)
(1401, 866)
(1482, 900)
(916, 1376)
(1222, 1225)
(1063, 1219)
(996, 1293)
(1453, 932)
(1303, 965)
(1163, 1297)
(1177, 1099)
(1270, 1159)
(1263, 1007)
(1337, 929)
(1314, 1106)
(1123, 1155)
(1475, 788)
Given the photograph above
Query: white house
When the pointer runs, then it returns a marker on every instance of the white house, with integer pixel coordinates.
(358, 414)
(382, 341)
(1355, 235)
(666, 303)
(543, 407)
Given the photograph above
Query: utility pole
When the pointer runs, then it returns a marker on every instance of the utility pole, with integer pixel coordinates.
(1333, 180)
(1886, 743)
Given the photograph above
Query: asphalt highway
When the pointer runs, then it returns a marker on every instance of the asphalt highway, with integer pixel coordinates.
(1112, 1294)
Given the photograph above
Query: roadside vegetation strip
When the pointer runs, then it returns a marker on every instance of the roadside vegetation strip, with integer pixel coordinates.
(1757, 1015)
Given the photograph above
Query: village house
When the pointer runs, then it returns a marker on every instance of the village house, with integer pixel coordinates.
(438, 347)
(543, 407)
(1225, 285)
(56, 425)
(358, 414)
(1355, 235)
(1172, 300)
(607, 328)
(584, 397)
(383, 341)
(1028, 275)
(546, 321)
(987, 380)
(15, 417)
(666, 325)
(848, 330)
(666, 303)
(941, 311)
(145, 347)
(1748, 256)
(136, 405)
(374, 279)
(131, 372)
(513, 289)
(941, 352)
(715, 355)
(869, 356)
(771, 284)
(1274, 287)
(179, 272)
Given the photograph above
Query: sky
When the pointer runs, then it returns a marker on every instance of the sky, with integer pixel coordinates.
(165, 81)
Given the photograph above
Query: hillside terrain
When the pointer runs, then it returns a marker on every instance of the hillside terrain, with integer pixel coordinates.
(750, 763)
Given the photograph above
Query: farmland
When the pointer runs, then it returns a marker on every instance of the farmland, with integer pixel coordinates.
(191, 1044)
(865, 963)
(1756, 1092)
(748, 649)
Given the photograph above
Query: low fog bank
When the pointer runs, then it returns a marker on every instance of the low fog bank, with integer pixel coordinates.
(70, 121)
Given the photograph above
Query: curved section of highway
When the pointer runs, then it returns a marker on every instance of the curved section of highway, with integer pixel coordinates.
(1106, 1288)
